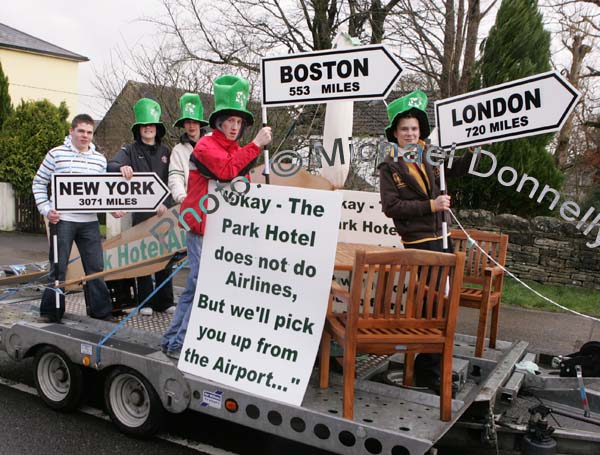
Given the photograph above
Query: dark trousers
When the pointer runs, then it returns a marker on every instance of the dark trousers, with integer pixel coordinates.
(428, 365)
(87, 238)
(163, 299)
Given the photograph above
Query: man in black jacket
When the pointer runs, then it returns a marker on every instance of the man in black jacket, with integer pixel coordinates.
(411, 196)
(410, 188)
(147, 154)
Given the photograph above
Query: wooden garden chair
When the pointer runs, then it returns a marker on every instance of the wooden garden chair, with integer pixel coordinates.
(424, 322)
(486, 276)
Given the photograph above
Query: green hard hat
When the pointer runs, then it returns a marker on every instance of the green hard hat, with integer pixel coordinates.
(147, 112)
(231, 97)
(414, 103)
(191, 108)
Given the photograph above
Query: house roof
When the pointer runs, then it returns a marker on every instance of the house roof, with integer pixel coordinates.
(11, 38)
(370, 118)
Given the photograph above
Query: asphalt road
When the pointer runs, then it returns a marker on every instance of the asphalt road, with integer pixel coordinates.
(29, 427)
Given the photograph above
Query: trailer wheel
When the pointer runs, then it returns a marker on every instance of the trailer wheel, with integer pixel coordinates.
(132, 403)
(58, 380)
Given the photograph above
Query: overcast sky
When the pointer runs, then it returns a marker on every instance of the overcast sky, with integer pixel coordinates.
(89, 28)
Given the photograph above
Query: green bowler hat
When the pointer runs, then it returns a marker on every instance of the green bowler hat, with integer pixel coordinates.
(231, 97)
(191, 108)
(147, 112)
(414, 103)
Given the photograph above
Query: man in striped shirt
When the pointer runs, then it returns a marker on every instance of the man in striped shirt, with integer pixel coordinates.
(77, 155)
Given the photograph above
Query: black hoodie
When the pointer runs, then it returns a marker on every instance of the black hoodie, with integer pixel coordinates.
(143, 158)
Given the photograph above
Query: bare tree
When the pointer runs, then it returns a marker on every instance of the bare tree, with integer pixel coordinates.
(579, 36)
(369, 14)
(439, 39)
(238, 33)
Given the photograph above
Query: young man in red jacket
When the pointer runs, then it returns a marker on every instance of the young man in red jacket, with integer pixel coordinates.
(216, 157)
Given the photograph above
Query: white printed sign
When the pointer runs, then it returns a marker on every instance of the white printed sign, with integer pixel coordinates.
(525, 107)
(262, 292)
(358, 73)
(109, 192)
(362, 220)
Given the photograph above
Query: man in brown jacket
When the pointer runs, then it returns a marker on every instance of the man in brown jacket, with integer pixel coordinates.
(410, 186)
(411, 196)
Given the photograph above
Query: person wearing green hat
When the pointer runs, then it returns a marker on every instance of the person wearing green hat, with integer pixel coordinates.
(192, 121)
(410, 185)
(217, 157)
(411, 196)
(147, 154)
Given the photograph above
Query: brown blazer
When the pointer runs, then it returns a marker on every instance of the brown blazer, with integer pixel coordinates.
(407, 196)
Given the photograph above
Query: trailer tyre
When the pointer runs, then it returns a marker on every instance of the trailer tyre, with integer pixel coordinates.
(58, 380)
(132, 403)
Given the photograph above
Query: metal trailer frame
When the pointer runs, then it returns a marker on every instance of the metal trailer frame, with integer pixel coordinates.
(388, 419)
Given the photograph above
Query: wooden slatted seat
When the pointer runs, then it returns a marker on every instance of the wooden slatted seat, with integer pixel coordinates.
(484, 273)
(422, 320)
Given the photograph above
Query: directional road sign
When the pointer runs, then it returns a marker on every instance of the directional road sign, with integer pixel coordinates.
(91, 193)
(360, 73)
(525, 107)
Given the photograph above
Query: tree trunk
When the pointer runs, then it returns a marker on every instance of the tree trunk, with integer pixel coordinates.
(321, 24)
(579, 51)
(473, 20)
(448, 55)
(377, 19)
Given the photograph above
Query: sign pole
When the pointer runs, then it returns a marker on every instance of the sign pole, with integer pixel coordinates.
(54, 231)
(444, 213)
(267, 170)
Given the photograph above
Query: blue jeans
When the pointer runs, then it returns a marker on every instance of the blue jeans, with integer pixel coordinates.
(88, 240)
(173, 338)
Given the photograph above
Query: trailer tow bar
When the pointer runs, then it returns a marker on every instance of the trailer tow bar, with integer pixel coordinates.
(538, 439)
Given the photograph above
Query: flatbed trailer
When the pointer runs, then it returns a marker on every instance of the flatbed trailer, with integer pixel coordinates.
(141, 384)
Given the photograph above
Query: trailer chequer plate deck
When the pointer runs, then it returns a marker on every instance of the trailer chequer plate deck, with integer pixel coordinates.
(388, 419)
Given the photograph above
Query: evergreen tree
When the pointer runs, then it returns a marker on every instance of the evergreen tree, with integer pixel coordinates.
(5, 104)
(32, 129)
(517, 47)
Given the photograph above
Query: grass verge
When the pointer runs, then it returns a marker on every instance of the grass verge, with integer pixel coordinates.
(582, 300)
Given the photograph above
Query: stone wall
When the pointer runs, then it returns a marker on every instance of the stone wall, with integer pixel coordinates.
(543, 249)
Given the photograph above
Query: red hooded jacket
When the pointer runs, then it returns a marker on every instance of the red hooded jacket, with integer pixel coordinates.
(219, 158)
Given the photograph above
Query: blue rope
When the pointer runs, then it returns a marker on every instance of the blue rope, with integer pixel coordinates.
(135, 310)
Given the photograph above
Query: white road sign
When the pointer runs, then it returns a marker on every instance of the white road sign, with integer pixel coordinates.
(263, 289)
(363, 221)
(525, 107)
(91, 193)
(360, 73)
